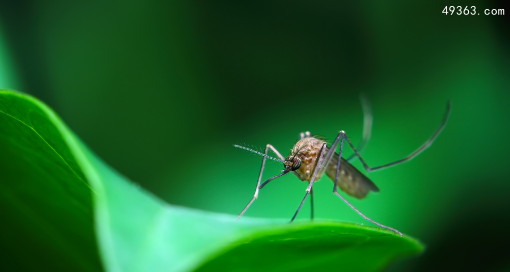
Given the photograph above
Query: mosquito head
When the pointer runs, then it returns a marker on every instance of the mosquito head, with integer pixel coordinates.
(292, 163)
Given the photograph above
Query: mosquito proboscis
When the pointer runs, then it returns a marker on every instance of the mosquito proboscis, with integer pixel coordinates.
(310, 158)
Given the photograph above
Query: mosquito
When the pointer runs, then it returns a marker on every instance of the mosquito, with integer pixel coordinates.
(310, 158)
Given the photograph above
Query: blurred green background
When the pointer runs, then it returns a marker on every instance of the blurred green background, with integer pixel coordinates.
(162, 90)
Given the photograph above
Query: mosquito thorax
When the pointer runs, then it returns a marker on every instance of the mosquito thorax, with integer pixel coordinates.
(306, 150)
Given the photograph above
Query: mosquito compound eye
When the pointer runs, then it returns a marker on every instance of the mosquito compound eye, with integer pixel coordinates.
(287, 163)
(296, 164)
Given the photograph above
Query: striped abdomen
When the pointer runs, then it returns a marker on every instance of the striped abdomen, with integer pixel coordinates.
(350, 179)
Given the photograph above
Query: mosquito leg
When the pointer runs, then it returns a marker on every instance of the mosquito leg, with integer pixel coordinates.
(255, 195)
(311, 202)
(302, 201)
(309, 188)
(342, 135)
(367, 125)
(366, 218)
(275, 151)
(412, 155)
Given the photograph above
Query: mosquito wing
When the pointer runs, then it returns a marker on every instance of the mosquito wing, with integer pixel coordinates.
(350, 179)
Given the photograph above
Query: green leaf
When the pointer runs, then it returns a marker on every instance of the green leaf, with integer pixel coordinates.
(64, 209)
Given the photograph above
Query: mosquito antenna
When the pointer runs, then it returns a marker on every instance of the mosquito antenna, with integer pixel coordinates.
(258, 153)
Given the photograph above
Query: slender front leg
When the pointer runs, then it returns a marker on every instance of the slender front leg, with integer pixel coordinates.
(255, 195)
(302, 201)
(309, 188)
(311, 202)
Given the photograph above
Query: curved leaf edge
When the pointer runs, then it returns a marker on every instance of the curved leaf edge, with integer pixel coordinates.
(252, 228)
